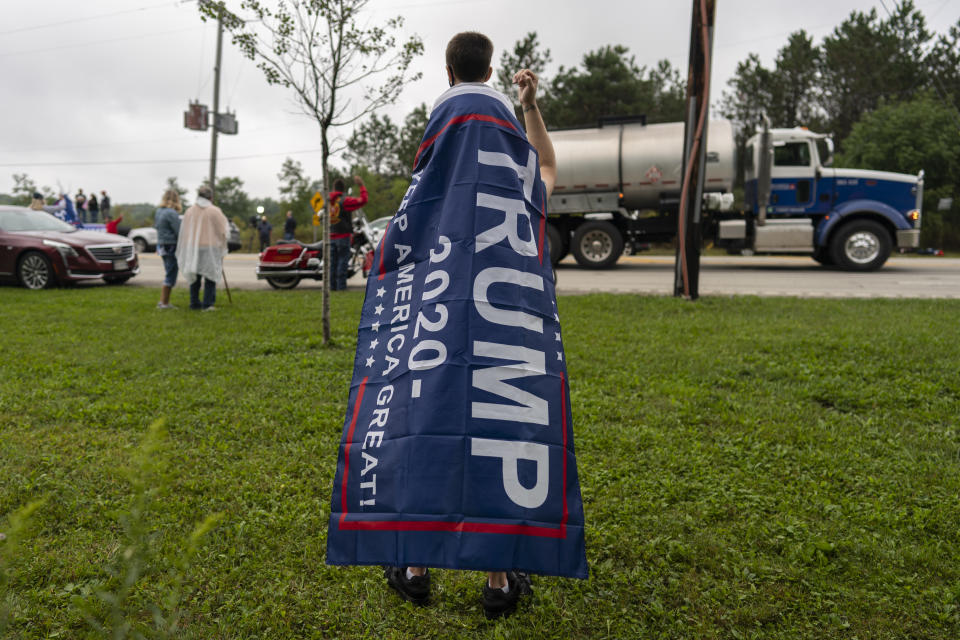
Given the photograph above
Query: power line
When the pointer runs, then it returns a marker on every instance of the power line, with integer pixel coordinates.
(164, 161)
(86, 19)
(120, 143)
(98, 42)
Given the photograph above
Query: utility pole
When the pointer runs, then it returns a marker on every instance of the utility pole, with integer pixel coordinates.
(687, 271)
(216, 108)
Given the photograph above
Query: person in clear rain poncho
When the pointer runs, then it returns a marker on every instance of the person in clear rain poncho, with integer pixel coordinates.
(201, 247)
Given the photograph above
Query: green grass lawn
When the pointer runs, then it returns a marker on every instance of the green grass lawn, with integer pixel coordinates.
(750, 468)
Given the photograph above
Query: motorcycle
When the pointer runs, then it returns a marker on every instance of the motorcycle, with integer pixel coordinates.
(284, 265)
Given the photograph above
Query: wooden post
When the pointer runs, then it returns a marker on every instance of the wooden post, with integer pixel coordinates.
(687, 270)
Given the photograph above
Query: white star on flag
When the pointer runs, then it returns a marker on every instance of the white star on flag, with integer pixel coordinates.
(380, 292)
(378, 309)
(370, 361)
(374, 343)
(375, 326)
(557, 334)
(559, 356)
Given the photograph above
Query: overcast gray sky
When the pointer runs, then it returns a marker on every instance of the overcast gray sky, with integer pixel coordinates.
(94, 92)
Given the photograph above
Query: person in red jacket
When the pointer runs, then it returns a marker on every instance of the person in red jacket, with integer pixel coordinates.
(112, 223)
(341, 230)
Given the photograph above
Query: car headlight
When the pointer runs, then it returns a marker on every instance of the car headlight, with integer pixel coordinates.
(65, 250)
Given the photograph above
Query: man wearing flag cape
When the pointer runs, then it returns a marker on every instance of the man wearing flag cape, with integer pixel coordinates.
(457, 448)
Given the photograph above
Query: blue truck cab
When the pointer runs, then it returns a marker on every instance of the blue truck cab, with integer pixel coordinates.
(849, 218)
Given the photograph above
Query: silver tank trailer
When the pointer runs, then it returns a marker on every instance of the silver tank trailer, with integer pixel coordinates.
(640, 161)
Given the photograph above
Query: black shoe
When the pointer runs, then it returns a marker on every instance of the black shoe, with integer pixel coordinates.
(496, 603)
(416, 589)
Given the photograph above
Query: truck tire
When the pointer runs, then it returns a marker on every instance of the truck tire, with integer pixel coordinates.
(141, 244)
(822, 255)
(597, 244)
(558, 248)
(860, 245)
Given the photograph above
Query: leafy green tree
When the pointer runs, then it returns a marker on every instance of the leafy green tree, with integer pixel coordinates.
(750, 96)
(944, 62)
(908, 136)
(374, 145)
(321, 49)
(526, 54)
(231, 198)
(795, 82)
(867, 59)
(296, 190)
(23, 189)
(411, 134)
(611, 84)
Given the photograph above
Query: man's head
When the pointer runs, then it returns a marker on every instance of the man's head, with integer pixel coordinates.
(205, 192)
(468, 58)
(338, 185)
(289, 214)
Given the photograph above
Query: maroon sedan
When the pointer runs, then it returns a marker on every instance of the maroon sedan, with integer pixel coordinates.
(38, 250)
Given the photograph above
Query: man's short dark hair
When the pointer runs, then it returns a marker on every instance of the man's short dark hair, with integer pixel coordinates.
(469, 54)
(205, 192)
(338, 185)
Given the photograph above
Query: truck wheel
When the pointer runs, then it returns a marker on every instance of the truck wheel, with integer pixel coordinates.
(597, 244)
(861, 245)
(141, 244)
(822, 255)
(558, 248)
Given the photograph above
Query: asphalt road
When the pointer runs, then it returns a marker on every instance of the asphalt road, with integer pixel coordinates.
(901, 277)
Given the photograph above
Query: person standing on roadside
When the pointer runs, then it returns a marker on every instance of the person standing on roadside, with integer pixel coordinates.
(201, 246)
(80, 202)
(111, 224)
(37, 203)
(93, 207)
(289, 226)
(341, 230)
(167, 222)
(436, 478)
(104, 204)
(264, 228)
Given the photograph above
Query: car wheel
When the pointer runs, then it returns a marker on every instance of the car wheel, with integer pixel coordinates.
(35, 271)
(597, 244)
(861, 245)
(284, 283)
(141, 244)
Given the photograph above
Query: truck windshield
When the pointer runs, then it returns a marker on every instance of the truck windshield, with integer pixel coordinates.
(792, 154)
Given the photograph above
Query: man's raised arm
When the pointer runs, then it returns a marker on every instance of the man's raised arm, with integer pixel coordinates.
(527, 82)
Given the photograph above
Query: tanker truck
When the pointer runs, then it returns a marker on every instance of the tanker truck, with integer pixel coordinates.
(618, 186)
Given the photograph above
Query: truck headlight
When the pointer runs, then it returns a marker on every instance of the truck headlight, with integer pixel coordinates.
(66, 251)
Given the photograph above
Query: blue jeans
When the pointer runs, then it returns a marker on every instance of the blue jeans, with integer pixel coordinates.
(168, 253)
(339, 263)
(209, 293)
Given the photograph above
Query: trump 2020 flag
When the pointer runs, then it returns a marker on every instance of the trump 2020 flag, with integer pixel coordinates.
(457, 447)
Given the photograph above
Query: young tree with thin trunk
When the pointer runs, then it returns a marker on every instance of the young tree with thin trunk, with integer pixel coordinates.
(340, 66)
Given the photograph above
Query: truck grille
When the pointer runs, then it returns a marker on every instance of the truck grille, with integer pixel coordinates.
(111, 252)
